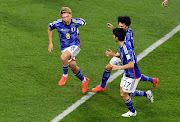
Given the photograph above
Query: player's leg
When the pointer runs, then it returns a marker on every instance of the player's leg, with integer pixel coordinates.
(128, 101)
(105, 78)
(154, 81)
(68, 54)
(107, 74)
(138, 93)
(148, 94)
(65, 56)
(127, 86)
(78, 73)
(108, 69)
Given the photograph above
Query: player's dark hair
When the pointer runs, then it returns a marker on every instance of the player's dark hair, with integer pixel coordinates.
(120, 33)
(124, 19)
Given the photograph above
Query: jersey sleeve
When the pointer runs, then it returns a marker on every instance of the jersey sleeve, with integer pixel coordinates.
(52, 25)
(79, 22)
(82, 22)
(129, 39)
(129, 54)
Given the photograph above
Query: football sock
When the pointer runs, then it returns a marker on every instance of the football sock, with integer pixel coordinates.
(146, 78)
(105, 77)
(129, 105)
(65, 70)
(138, 93)
(79, 75)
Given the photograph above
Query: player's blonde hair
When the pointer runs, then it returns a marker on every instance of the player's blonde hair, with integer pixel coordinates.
(65, 10)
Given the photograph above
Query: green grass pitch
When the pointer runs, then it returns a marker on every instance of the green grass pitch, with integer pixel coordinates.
(29, 75)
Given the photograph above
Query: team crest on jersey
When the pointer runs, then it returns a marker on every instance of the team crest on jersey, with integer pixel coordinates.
(73, 29)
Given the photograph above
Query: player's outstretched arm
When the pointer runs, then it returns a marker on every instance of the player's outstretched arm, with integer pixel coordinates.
(110, 26)
(127, 66)
(50, 48)
(164, 3)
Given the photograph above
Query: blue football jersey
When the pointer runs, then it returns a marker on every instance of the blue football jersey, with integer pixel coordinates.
(127, 55)
(68, 34)
(130, 38)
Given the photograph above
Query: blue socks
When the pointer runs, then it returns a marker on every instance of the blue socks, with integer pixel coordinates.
(146, 78)
(129, 105)
(138, 93)
(65, 70)
(79, 75)
(105, 77)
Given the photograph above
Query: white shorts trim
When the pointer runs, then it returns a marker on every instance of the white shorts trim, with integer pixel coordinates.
(129, 85)
(74, 50)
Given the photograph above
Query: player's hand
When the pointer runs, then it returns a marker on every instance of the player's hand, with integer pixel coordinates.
(110, 53)
(165, 3)
(50, 48)
(110, 26)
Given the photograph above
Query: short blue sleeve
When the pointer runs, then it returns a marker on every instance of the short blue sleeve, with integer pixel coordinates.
(52, 25)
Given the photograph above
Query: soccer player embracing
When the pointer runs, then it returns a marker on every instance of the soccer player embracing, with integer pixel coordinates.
(70, 44)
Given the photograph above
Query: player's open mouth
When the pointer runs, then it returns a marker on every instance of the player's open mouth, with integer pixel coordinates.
(67, 22)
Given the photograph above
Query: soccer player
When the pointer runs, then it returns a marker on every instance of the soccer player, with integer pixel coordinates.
(132, 74)
(123, 22)
(164, 3)
(70, 44)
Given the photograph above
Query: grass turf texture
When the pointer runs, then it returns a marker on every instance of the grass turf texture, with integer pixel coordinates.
(29, 74)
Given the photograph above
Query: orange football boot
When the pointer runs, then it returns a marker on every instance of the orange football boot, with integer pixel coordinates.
(85, 85)
(155, 82)
(62, 81)
(98, 88)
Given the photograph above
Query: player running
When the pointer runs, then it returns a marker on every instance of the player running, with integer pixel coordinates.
(123, 22)
(69, 43)
(132, 74)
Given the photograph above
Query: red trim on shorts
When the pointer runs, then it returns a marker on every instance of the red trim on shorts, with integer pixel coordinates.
(73, 59)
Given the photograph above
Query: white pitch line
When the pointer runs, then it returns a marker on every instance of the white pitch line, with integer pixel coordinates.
(116, 74)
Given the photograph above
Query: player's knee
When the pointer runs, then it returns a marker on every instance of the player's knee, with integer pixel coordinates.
(64, 57)
(122, 94)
